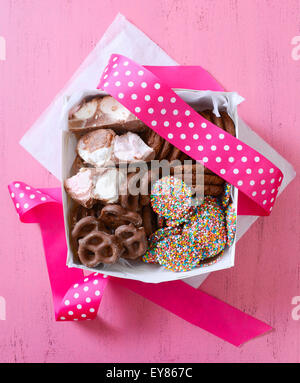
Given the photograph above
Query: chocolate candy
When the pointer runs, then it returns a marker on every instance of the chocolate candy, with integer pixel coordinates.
(96, 148)
(230, 224)
(130, 148)
(171, 198)
(202, 180)
(150, 220)
(103, 112)
(98, 247)
(176, 253)
(208, 228)
(80, 187)
(102, 147)
(203, 236)
(90, 185)
(115, 216)
(224, 122)
(163, 149)
(127, 200)
(117, 224)
(226, 197)
(85, 226)
(133, 241)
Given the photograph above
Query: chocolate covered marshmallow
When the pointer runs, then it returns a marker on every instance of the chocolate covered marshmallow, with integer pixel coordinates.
(103, 112)
(90, 185)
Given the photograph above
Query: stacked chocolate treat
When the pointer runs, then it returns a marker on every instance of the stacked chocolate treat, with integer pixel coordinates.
(107, 220)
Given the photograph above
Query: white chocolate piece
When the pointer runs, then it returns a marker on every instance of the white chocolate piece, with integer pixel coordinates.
(80, 187)
(106, 185)
(96, 148)
(91, 184)
(109, 113)
(97, 158)
(130, 147)
(87, 110)
(113, 109)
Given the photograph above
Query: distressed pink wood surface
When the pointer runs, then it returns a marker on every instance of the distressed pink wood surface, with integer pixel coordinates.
(246, 44)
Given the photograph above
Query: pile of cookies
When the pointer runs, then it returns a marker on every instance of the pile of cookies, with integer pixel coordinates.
(107, 221)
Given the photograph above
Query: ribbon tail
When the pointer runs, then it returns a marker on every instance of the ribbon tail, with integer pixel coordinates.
(200, 309)
(247, 206)
(44, 206)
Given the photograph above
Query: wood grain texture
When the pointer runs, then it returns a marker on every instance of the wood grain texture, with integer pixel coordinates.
(246, 45)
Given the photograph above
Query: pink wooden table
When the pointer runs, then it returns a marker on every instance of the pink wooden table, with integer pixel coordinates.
(246, 44)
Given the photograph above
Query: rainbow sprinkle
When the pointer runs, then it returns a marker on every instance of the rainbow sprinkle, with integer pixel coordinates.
(230, 224)
(176, 253)
(171, 198)
(226, 197)
(208, 228)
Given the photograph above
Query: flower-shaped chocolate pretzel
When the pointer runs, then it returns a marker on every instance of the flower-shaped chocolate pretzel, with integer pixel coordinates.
(98, 247)
(133, 240)
(85, 225)
(115, 215)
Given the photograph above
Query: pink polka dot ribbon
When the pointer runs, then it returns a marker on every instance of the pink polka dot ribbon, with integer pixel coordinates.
(159, 107)
(75, 297)
(81, 302)
(26, 197)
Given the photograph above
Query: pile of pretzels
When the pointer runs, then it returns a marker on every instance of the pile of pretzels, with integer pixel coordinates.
(115, 233)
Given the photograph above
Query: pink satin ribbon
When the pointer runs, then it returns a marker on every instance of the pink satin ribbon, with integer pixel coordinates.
(153, 101)
(44, 206)
(77, 298)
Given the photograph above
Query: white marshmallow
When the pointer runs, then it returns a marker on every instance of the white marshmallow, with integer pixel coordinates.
(96, 147)
(98, 157)
(106, 185)
(130, 147)
(80, 186)
(113, 109)
(87, 110)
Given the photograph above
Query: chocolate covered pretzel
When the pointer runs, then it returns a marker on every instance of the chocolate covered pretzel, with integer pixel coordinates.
(98, 247)
(87, 225)
(115, 215)
(133, 241)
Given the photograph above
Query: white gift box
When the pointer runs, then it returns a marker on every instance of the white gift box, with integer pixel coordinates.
(139, 270)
